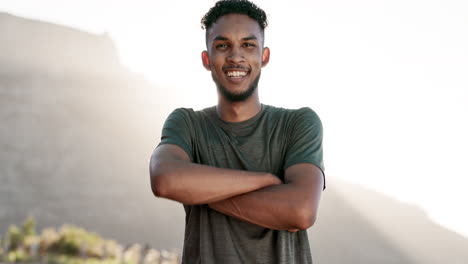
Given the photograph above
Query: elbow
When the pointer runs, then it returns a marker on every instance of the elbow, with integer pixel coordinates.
(159, 180)
(305, 218)
(305, 222)
(158, 187)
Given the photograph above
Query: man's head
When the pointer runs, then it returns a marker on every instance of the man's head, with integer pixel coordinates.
(235, 52)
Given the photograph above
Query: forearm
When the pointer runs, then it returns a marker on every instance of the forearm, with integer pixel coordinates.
(191, 183)
(280, 207)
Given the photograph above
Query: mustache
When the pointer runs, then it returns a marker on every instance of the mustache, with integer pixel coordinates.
(235, 67)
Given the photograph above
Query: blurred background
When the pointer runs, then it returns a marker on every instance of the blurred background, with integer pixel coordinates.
(85, 87)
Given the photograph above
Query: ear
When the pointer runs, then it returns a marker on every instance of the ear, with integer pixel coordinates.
(206, 60)
(265, 56)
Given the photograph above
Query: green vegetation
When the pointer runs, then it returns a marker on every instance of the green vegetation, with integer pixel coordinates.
(72, 245)
(69, 245)
(75, 241)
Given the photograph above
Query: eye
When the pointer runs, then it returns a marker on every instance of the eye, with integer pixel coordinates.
(222, 46)
(248, 45)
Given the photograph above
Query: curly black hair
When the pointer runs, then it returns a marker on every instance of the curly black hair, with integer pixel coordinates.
(225, 7)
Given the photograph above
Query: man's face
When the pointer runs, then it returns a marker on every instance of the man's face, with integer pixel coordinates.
(235, 55)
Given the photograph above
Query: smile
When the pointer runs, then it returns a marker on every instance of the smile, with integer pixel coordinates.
(236, 74)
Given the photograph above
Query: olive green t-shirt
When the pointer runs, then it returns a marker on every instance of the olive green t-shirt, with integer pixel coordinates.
(271, 141)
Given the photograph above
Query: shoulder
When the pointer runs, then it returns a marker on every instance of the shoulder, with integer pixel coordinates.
(294, 115)
(188, 119)
(179, 117)
(306, 119)
(306, 113)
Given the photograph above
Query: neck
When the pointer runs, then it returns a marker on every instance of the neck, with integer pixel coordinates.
(238, 111)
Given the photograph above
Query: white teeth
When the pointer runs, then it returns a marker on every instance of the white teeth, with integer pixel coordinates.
(236, 73)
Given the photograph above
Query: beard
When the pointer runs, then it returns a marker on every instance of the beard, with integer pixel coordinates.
(237, 97)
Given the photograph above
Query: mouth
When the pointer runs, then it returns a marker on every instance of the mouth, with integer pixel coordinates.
(236, 75)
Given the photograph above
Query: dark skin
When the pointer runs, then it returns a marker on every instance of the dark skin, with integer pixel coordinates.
(236, 40)
(235, 56)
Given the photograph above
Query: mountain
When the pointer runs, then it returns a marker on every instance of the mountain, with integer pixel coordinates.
(76, 135)
(75, 143)
(49, 48)
(358, 225)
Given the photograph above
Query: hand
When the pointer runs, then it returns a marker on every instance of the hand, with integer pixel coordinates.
(275, 180)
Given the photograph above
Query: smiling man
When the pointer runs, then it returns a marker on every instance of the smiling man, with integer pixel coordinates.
(249, 175)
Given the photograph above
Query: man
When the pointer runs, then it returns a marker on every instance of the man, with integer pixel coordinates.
(249, 175)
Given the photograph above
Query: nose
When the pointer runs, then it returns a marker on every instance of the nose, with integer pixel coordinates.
(235, 56)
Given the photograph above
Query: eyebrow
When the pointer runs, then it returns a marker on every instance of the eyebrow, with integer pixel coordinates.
(251, 37)
(219, 37)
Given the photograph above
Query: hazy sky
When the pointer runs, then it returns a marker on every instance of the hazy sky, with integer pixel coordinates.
(388, 78)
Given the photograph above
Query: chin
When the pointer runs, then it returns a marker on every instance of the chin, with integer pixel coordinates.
(236, 96)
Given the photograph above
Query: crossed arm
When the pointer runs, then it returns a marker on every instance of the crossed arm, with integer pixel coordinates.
(255, 197)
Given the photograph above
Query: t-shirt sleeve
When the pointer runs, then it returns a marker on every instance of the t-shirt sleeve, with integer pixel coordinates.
(176, 130)
(305, 144)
